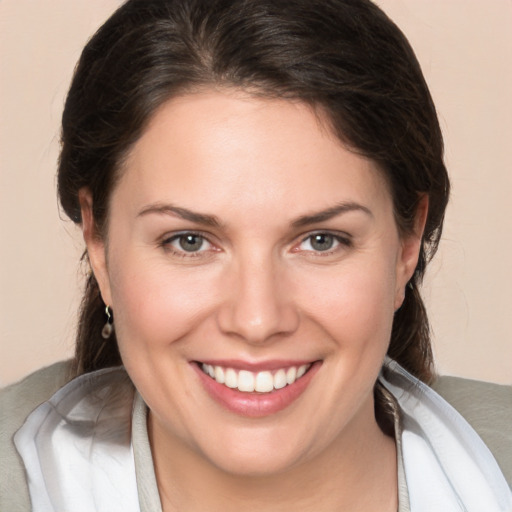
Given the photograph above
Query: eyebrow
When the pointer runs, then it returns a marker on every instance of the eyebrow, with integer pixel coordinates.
(169, 209)
(212, 221)
(330, 213)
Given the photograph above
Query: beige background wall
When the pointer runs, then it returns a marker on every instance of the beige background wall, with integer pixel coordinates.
(465, 47)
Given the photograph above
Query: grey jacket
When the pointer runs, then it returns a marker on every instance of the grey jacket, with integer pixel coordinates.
(487, 407)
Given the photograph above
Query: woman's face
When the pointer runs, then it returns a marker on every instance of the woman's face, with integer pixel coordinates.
(244, 240)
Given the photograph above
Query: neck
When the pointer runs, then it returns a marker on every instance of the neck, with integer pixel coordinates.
(357, 472)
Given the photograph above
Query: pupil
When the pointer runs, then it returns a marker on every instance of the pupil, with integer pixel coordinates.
(191, 243)
(322, 242)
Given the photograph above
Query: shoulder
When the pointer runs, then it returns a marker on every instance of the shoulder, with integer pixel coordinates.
(488, 409)
(17, 401)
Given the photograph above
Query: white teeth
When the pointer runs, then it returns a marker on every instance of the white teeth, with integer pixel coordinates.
(291, 375)
(280, 379)
(302, 370)
(219, 374)
(245, 381)
(231, 378)
(262, 382)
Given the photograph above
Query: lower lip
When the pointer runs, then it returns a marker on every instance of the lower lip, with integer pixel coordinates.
(256, 405)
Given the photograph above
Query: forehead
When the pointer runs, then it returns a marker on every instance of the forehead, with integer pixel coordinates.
(232, 150)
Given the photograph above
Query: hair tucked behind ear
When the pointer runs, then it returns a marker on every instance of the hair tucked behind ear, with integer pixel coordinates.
(344, 57)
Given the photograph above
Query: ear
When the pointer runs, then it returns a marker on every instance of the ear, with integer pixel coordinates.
(96, 248)
(409, 251)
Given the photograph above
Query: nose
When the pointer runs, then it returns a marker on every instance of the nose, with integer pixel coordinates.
(258, 305)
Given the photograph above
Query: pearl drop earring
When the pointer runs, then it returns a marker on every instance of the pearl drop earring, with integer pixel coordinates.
(106, 332)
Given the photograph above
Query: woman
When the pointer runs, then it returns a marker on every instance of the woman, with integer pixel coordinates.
(260, 187)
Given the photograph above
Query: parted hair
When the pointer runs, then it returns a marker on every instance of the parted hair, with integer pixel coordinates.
(345, 57)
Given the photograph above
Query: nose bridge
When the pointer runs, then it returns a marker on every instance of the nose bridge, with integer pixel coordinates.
(257, 305)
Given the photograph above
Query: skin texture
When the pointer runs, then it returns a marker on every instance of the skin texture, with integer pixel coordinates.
(255, 290)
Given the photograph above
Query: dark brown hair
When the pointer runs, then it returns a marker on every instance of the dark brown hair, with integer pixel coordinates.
(343, 56)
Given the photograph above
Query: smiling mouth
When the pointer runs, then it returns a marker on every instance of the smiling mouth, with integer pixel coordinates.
(260, 382)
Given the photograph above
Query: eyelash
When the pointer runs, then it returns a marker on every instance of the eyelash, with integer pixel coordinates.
(166, 243)
(342, 240)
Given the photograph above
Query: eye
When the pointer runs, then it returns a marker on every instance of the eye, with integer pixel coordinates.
(323, 243)
(190, 243)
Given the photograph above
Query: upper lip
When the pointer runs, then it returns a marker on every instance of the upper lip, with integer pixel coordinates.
(255, 366)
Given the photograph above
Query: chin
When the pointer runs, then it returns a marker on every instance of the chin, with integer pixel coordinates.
(255, 465)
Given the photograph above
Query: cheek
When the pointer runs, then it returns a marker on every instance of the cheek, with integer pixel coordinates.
(155, 306)
(355, 304)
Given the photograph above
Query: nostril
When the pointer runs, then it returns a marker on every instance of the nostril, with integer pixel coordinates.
(256, 305)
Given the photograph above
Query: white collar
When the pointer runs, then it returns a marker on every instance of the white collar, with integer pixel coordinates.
(77, 448)
(78, 453)
(447, 465)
